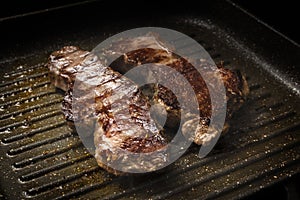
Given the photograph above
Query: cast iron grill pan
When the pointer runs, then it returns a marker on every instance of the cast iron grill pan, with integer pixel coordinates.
(41, 158)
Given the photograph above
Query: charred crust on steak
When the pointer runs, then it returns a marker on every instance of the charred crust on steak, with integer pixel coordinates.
(115, 107)
(109, 136)
(235, 86)
(63, 65)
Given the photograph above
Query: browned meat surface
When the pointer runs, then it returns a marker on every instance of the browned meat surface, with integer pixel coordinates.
(137, 132)
(107, 105)
(235, 85)
(64, 65)
(151, 49)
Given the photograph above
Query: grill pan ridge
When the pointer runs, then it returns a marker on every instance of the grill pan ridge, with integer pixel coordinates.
(41, 158)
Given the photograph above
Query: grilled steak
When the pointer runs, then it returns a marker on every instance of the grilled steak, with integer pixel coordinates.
(137, 132)
(151, 49)
(64, 65)
(235, 85)
(116, 129)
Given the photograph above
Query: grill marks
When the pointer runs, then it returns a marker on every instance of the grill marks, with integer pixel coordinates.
(23, 72)
(51, 100)
(27, 98)
(20, 80)
(53, 175)
(27, 118)
(19, 95)
(108, 113)
(36, 131)
(204, 169)
(235, 87)
(46, 154)
(276, 157)
(61, 166)
(54, 167)
(46, 188)
(59, 182)
(32, 132)
(38, 144)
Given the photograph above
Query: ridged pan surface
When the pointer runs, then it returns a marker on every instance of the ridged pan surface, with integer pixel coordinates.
(41, 158)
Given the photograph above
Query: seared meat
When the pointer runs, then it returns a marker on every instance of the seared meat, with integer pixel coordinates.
(150, 49)
(114, 104)
(64, 65)
(137, 132)
(235, 85)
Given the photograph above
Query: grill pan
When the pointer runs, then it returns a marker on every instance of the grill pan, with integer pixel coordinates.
(41, 158)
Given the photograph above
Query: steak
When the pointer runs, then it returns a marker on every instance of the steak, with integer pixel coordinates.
(137, 132)
(236, 87)
(151, 49)
(115, 128)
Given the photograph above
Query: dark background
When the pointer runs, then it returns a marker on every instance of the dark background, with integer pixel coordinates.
(281, 15)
